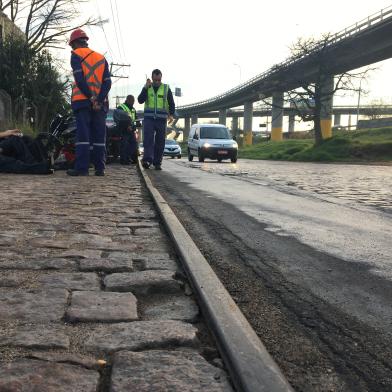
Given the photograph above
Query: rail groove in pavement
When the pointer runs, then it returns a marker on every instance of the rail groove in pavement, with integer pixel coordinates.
(251, 367)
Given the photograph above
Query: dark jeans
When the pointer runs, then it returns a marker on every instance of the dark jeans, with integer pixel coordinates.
(22, 156)
(128, 149)
(154, 135)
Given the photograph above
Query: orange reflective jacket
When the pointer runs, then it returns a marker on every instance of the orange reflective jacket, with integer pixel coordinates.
(93, 67)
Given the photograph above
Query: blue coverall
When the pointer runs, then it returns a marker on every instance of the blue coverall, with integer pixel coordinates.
(154, 131)
(91, 125)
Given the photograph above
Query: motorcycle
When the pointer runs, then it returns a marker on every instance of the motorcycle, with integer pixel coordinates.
(60, 142)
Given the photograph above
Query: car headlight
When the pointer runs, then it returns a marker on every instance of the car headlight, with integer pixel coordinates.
(235, 145)
(206, 145)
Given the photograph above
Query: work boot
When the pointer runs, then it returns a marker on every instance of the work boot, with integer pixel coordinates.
(76, 173)
(99, 173)
(157, 167)
(146, 164)
(51, 161)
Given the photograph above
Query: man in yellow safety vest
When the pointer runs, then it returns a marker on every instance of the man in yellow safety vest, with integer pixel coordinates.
(159, 109)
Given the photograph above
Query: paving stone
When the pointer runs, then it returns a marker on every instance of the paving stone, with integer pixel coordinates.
(47, 243)
(122, 231)
(95, 229)
(29, 375)
(138, 215)
(148, 231)
(139, 225)
(107, 265)
(71, 281)
(85, 361)
(113, 246)
(38, 337)
(160, 264)
(151, 255)
(172, 308)
(143, 282)
(142, 335)
(36, 306)
(41, 264)
(5, 241)
(159, 371)
(11, 279)
(102, 307)
(120, 256)
(91, 239)
(81, 253)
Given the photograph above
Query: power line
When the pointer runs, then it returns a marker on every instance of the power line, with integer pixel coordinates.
(115, 30)
(120, 31)
(104, 32)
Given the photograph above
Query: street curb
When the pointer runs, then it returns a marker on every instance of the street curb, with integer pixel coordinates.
(251, 367)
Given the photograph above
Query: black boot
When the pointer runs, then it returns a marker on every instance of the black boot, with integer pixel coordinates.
(76, 173)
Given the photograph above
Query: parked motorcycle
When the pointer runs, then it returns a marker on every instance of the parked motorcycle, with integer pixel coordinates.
(60, 142)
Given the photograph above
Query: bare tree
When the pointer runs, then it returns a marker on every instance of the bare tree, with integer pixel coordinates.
(46, 23)
(313, 97)
(11, 6)
(375, 110)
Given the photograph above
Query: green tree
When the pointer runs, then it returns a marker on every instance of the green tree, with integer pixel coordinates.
(32, 77)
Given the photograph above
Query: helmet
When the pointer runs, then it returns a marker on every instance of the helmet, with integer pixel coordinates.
(77, 34)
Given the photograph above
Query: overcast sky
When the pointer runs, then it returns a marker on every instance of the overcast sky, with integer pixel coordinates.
(207, 47)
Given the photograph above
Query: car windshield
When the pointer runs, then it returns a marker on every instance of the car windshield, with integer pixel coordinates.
(170, 141)
(214, 133)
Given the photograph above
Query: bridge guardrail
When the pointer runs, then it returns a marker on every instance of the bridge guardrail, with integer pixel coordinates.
(347, 32)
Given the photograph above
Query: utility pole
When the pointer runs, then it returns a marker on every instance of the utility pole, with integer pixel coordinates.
(115, 68)
(359, 100)
(118, 97)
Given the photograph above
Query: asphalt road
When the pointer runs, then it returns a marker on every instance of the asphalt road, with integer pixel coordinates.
(305, 250)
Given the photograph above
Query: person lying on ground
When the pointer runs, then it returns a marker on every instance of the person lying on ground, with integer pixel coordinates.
(10, 132)
(18, 155)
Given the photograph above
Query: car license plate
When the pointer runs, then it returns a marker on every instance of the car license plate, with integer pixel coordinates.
(222, 152)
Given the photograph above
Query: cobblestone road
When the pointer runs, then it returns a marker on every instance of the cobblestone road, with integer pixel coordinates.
(91, 295)
(370, 185)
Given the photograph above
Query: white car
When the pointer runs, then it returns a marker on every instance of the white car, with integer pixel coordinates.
(211, 141)
(172, 149)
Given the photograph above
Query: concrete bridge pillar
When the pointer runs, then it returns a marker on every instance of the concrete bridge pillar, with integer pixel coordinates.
(234, 126)
(277, 116)
(337, 119)
(187, 127)
(195, 119)
(291, 123)
(222, 116)
(248, 120)
(327, 88)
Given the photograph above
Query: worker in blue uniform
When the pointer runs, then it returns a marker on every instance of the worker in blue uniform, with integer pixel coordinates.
(125, 118)
(159, 110)
(89, 103)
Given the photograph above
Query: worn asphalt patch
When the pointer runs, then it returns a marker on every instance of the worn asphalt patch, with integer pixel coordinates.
(318, 347)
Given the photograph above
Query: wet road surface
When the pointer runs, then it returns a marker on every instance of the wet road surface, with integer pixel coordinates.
(305, 250)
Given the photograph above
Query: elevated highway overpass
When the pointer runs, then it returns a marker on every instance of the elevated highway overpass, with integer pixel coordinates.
(337, 112)
(361, 44)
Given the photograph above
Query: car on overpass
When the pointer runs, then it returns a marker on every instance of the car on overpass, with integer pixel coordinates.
(211, 141)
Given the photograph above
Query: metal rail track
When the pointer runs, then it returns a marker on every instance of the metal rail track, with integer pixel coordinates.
(250, 366)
